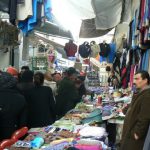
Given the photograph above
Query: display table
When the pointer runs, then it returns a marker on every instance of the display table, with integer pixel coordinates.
(78, 128)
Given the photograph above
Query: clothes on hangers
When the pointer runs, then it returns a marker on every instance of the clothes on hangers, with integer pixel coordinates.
(85, 50)
(70, 49)
(116, 63)
(95, 49)
(145, 60)
(33, 13)
(12, 11)
(105, 49)
(112, 52)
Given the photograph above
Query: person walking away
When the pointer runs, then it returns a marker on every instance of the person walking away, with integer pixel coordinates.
(137, 118)
(12, 107)
(26, 82)
(41, 104)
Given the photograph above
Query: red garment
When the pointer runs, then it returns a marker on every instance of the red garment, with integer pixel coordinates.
(133, 67)
(13, 71)
(124, 77)
(70, 49)
(143, 2)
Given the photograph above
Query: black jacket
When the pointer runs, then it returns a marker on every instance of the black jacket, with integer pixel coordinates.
(41, 106)
(12, 112)
(105, 49)
(67, 97)
(23, 87)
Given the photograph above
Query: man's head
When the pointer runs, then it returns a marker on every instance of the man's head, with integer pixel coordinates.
(57, 77)
(24, 68)
(142, 79)
(48, 76)
(27, 76)
(72, 74)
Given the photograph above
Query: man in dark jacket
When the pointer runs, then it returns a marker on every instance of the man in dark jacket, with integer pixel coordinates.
(137, 119)
(12, 106)
(67, 93)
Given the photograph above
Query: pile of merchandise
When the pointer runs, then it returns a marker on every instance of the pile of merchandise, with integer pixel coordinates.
(82, 127)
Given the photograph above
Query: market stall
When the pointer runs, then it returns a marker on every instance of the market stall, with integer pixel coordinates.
(82, 127)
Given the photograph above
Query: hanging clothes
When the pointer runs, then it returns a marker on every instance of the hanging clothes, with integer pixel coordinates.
(105, 49)
(124, 78)
(29, 24)
(12, 11)
(116, 63)
(147, 60)
(132, 73)
(85, 50)
(24, 10)
(123, 58)
(103, 59)
(70, 49)
(95, 49)
(112, 52)
(33, 16)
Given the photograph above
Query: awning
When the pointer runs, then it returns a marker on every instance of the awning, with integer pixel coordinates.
(54, 30)
(108, 14)
(88, 29)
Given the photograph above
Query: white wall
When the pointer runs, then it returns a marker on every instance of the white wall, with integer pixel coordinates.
(4, 60)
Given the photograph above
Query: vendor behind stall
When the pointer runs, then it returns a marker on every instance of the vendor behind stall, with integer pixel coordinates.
(80, 86)
(137, 118)
(113, 80)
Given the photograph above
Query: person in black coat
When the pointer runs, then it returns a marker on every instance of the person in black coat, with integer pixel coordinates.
(41, 104)
(67, 96)
(26, 82)
(12, 106)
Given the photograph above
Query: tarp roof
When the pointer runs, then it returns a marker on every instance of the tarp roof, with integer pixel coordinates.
(54, 30)
(105, 14)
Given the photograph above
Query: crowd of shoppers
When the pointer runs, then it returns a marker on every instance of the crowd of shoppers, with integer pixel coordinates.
(36, 99)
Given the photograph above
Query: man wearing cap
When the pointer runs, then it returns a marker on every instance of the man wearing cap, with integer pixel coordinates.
(67, 93)
(13, 71)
